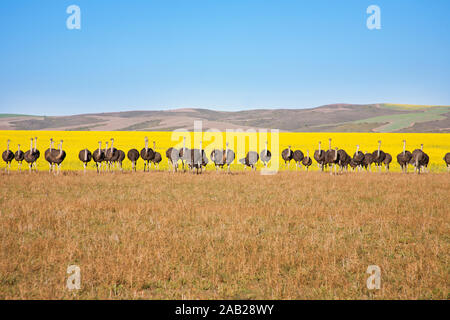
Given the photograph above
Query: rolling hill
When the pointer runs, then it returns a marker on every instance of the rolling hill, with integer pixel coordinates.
(327, 118)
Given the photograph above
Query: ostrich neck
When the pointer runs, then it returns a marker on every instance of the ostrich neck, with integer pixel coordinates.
(35, 145)
(85, 154)
(319, 148)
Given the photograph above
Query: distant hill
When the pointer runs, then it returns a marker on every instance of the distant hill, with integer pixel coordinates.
(328, 118)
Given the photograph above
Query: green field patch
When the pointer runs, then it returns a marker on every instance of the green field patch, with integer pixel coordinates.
(400, 121)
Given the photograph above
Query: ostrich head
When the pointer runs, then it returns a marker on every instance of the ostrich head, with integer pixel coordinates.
(51, 144)
(421, 147)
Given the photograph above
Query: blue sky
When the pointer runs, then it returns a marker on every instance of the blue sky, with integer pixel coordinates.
(220, 54)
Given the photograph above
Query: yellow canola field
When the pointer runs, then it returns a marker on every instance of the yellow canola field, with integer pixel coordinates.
(435, 145)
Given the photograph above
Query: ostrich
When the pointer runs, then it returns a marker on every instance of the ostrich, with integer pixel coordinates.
(36, 154)
(106, 158)
(58, 157)
(298, 157)
(19, 156)
(331, 157)
(447, 161)
(418, 159)
(387, 160)
(319, 156)
(250, 160)
(112, 155)
(173, 155)
(36, 151)
(404, 157)
(265, 156)
(307, 161)
(287, 156)
(48, 155)
(367, 162)
(133, 156)
(8, 156)
(344, 160)
(378, 156)
(98, 156)
(120, 159)
(218, 158)
(196, 160)
(85, 156)
(147, 154)
(157, 158)
(221, 158)
(31, 156)
(357, 159)
(229, 156)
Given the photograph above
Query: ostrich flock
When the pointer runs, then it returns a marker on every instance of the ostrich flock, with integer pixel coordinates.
(196, 160)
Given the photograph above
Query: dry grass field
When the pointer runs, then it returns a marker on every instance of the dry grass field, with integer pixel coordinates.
(241, 236)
